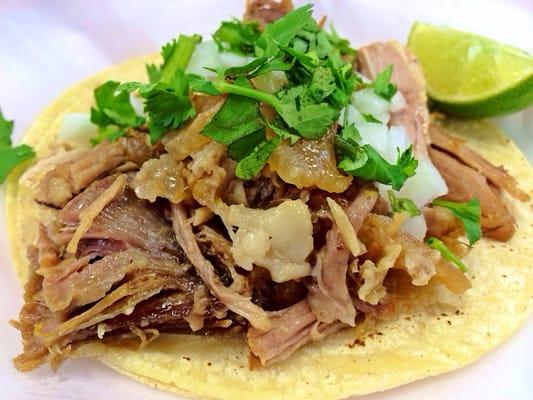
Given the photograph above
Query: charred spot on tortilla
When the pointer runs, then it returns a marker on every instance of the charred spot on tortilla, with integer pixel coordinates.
(294, 205)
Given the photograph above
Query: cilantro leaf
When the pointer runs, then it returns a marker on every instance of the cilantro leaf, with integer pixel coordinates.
(109, 133)
(322, 84)
(239, 125)
(10, 156)
(176, 55)
(6, 128)
(113, 113)
(311, 121)
(249, 166)
(370, 118)
(237, 36)
(342, 45)
(294, 105)
(365, 162)
(113, 107)
(282, 131)
(238, 117)
(469, 213)
(382, 85)
(245, 145)
(346, 81)
(259, 66)
(168, 105)
(283, 30)
(402, 204)
(199, 84)
(297, 109)
(438, 245)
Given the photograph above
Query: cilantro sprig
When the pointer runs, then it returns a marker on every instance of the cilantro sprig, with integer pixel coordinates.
(318, 83)
(469, 213)
(113, 113)
(365, 162)
(237, 36)
(11, 156)
(166, 97)
(383, 86)
(438, 245)
(402, 204)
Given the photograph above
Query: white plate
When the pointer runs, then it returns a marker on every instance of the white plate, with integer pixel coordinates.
(47, 46)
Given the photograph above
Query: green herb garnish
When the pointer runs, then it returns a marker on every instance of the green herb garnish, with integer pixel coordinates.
(237, 37)
(469, 213)
(438, 245)
(250, 165)
(370, 118)
(382, 85)
(11, 156)
(365, 162)
(402, 204)
(113, 113)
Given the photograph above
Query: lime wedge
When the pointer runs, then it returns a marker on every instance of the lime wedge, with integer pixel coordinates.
(472, 76)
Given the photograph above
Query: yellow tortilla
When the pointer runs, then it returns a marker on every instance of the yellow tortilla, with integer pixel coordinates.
(408, 349)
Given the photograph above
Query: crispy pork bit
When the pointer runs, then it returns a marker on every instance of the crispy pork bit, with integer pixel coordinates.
(310, 163)
(421, 262)
(407, 75)
(161, 177)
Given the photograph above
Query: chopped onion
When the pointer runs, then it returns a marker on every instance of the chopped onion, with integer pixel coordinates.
(416, 226)
(368, 102)
(137, 104)
(375, 135)
(206, 54)
(228, 59)
(397, 102)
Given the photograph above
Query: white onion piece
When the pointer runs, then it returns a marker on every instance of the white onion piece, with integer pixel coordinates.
(77, 129)
(397, 102)
(368, 102)
(137, 103)
(425, 186)
(415, 226)
(205, 55)
(351, 114)
(375, 135)
(397, 140)
(228, 59)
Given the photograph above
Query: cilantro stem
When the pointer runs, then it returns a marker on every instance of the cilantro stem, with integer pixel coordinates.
(225, 87)
(180, 57)
(438, 245)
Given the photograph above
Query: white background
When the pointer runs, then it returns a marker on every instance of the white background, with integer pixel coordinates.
(45, 46)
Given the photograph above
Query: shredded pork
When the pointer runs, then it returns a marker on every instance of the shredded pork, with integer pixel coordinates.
(240, 305)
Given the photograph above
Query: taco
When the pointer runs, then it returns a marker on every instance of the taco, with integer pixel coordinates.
(289, 223)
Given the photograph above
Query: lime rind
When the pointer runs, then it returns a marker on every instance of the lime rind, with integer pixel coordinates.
(472, 76)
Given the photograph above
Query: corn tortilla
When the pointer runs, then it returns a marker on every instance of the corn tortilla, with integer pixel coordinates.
(403, 351)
